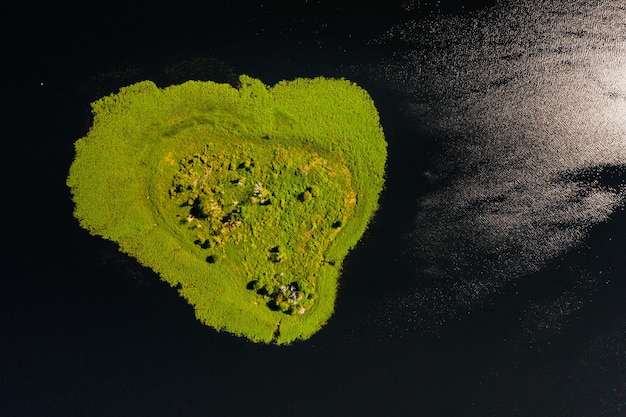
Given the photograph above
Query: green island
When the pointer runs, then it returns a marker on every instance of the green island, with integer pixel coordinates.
(246, 199)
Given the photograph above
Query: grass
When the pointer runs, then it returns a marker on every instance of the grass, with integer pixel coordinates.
(245, 199)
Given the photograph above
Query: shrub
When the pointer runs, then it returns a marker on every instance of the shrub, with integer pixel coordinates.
(305, 196)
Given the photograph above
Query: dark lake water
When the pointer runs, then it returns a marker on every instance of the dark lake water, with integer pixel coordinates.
(490, 283)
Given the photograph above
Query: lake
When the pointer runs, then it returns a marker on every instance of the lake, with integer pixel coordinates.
(490, 282)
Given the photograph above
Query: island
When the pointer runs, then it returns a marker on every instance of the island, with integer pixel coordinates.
(245, 198)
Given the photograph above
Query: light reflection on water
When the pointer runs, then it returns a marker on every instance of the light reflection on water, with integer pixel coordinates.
(524, 97)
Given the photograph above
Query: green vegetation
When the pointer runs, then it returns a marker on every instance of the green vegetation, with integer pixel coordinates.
(245, 199)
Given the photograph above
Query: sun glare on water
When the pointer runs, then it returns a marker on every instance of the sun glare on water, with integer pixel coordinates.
(530, 102)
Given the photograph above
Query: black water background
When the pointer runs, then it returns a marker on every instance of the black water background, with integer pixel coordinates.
(87, 331)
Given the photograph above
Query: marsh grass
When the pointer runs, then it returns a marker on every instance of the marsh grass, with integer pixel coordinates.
(246, 199)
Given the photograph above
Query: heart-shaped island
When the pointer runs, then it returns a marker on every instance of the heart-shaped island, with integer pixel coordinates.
(245, 199)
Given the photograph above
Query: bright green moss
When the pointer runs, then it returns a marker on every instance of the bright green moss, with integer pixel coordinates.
(247, 199)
